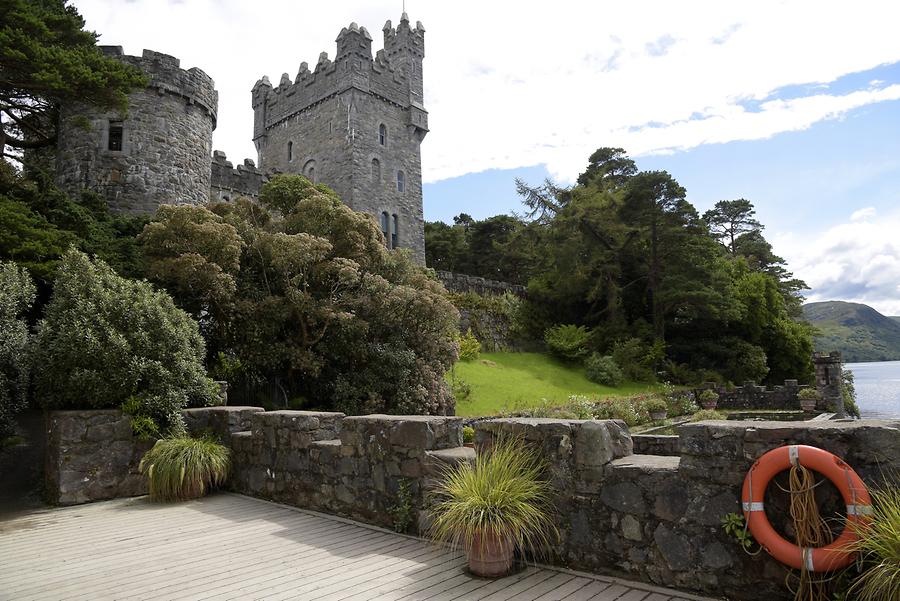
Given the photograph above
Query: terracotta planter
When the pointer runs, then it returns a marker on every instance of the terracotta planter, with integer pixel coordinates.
(491, 556)
(658, 416)
(709, 404)
(808, 404)
(469, 445)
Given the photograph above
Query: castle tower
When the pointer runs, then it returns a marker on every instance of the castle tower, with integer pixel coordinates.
(355, 124)
(156, 153)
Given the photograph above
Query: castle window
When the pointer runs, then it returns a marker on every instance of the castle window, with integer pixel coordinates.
(290, 151)
(309, 170)
(376, 170)
(394, 230)
(401, 181)
(115, 136)
(382, 134)
(385, 225)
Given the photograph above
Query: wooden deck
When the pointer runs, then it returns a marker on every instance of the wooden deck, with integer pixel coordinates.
(234, 547)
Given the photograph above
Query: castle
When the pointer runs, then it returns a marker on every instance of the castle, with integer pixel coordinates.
(354, 124)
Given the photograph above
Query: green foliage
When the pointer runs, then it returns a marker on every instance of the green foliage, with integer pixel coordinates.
(656, 405)
(38, 223)
(503, 494)
(567, 342)
(603, 369)
(403, 511)
(708, 397)
(46, 59)
(735, 526)
(468, 433)
(469, 347)
(492, 315)
(317, 301)
(848, 392)
(808, 394)
(142, 424)
(879, 547)
(680, 403)
(631, 410)
(105, 338)
(461, 390)
(708, 414)
(636, 358)
(183, 468)
(17, 293)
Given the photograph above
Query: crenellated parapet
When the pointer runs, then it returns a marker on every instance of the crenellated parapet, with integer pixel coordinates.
(167, 77)
(228, 182)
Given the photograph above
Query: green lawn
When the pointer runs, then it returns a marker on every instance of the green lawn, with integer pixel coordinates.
(510, 381)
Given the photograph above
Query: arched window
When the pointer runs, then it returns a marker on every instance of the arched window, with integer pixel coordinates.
(385, 225)
(309, 170)
(290, 151)
(395, 229)
(382, 134)
(376, 170)
(401, 181)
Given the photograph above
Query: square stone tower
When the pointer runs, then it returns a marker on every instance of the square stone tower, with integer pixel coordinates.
(355, 124)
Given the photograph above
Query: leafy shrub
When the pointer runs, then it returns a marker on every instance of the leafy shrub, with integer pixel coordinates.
(105, 339)
(879, 548)
(462, 390)
(567, 342)
(468, 433)
(637, 359)
(629, 410)
(503, 494)
(656, 405)
(16, 297)
(182, 468)
(848, 392)
(494, 319)
(320, 306)
(708, 397)
(603, 370)
(708, 414)
(403, 512)
(808, 394)
(469, 347)
(681, 403)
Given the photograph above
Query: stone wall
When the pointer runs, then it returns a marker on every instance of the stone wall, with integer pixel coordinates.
(649, 517)
(655, 444)
(228, 182)
(459, 282)
(165, 144)
(92, 456)
(752, 396)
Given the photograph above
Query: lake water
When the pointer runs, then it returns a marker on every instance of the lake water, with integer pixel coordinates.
(877, 388)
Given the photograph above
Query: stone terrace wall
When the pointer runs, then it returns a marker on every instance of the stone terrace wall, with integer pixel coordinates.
(228, 183)
(92, 456)
(751, 396)
(658, 518)
(459, 282)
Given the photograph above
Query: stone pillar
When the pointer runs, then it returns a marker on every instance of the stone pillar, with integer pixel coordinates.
(828, 381)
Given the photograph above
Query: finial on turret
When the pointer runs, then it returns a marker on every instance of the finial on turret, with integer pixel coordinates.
(387, 26)
(404, 18)
(263, 82)
(419, 26)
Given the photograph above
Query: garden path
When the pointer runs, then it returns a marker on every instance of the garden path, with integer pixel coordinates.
(229, 546)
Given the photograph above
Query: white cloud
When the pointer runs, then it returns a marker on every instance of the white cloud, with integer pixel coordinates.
(857, 262)
(546, 84)
(863, 214)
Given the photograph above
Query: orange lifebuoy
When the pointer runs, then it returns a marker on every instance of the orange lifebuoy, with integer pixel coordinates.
(859, 505)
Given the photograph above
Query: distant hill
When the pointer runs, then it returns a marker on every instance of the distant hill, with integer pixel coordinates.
(860, 332)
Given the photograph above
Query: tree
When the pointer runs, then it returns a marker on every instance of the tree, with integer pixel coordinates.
(318, 305)
(47, 59)
(608, 168)
(16, 297)
(105, 339)
(730, 219)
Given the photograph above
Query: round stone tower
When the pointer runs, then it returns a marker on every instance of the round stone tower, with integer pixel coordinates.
(155, 153)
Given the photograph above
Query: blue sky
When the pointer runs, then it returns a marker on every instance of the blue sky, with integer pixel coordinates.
(789, 103)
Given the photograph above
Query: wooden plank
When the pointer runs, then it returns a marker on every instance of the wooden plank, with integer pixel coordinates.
(611, 593)
(634, 595)
(562, 592)
(556, 581)
(591, 591)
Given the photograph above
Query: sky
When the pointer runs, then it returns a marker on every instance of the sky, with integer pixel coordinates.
(792, 105)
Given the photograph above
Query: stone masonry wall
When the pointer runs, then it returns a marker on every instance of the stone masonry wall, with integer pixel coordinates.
(651, 518)
(228, 182)
(92, 456)
(752, 396)
(166, 140)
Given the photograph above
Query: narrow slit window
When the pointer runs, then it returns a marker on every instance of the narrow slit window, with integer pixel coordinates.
(395, 229)
(115, 136)
(382, 134)
(290, 151)
(401, 181)
(376, 170)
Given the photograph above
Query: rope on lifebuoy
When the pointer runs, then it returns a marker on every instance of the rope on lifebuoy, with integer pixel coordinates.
(832, 556)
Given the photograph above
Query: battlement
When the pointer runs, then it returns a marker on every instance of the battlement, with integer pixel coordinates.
(167, 77)
(228, 182)
(390, 75)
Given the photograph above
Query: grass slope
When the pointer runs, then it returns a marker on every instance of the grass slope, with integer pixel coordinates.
(860, 332)
(510, 381)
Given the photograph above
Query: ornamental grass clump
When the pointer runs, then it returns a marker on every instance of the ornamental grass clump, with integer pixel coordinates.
(501, 496)
(879, 550)
(185, 468)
